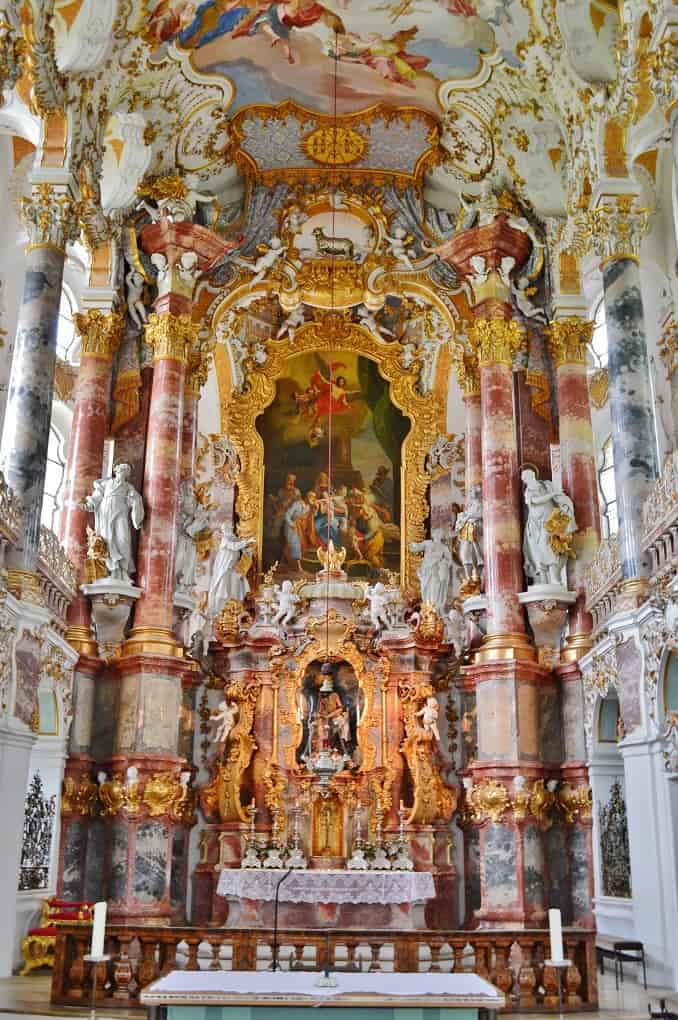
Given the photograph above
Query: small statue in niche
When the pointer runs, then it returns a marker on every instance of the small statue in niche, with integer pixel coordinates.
(547, 540)
(192, 521)
(287, 603)
(117, 508)
(429, 717)
(468, 528)
(135, 304)
(224, 717)
(379, 599)
(229, 574)
(434, 570)
(329, 715)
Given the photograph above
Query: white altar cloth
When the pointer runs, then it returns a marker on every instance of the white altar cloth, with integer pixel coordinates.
(232, 987)
(330, 886)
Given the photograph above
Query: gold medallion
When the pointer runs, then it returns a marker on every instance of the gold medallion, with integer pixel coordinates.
(334, 145)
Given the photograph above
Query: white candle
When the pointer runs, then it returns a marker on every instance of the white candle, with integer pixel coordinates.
(556, 934)
(98, 930)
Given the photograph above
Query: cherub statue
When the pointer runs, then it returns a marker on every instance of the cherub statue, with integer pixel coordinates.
(379, 598)
(188, 269)
(291, 324)
(161, 267)
(135, 305)
(397, 246)
(269, 255)
(456, 631)
(287, 602)
(505, 269)
(429, 717)
(522, 292)
(368, 320)
(224, 716)
(480, 271)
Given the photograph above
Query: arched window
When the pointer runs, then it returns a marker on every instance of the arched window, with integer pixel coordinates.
(608, 491)
(671, 686)
(54, 478)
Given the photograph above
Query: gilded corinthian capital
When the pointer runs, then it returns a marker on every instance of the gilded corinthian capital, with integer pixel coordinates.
(100, 333)
(497, 340)
(568, 340)
(171, 336)
(617, 228)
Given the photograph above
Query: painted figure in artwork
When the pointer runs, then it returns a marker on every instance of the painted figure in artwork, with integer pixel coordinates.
(388, 57)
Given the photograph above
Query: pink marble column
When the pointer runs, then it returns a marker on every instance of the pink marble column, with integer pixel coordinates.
(100, 336)
(496, 341)
(473, 449)
(568, 340)
(189, 431)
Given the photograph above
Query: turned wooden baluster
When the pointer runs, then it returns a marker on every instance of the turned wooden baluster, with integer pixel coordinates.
(169, 958)
(481, 968)
(572, 979)
(502, 975)
(375, 950)
(148, 968)
(78, 970)
(122, 970)
(192, 961)
(458, 947)
(527, 978)
(215, 946)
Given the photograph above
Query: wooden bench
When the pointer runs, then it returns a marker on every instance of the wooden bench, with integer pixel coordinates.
(620, 951)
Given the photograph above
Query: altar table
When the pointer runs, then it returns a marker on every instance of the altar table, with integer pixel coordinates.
(252, 995)
(333, 897)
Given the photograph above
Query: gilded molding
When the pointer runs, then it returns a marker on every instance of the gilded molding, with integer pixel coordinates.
(668, 347)
(489, 801)
(79, 797)
(50, 215)
(496, 340)
(575, 802)
(568, 341)
(465, 363)
(171, 337)
(617, 229)
(100, 333)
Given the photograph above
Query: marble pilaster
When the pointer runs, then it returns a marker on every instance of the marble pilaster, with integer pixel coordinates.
(49, 214)
(620, 227)
(496, 340)
(99, 338)
(568, 341)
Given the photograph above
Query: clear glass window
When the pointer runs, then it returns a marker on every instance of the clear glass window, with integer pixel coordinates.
(54, 479)
(671, 686)
(608, 491)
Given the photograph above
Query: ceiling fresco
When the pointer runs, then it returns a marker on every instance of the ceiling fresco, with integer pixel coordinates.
(392, 52)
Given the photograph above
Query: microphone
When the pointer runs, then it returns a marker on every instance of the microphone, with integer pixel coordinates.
(275, 918)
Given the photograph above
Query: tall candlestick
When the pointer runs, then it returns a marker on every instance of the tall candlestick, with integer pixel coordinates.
(556, 935)
(98, 930)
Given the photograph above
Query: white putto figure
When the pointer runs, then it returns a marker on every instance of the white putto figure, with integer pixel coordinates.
(223, 717)
(368, 320)
(429, 717)
(117, 507)
(397, 246)
(228, 580)
(550, 522)
(135, 305)
(434, 570)
(378, 598)
(287, 602)
(267, 259)
(291, 324)
(192, 520)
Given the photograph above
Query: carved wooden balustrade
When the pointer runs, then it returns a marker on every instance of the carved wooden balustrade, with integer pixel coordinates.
(512, 960)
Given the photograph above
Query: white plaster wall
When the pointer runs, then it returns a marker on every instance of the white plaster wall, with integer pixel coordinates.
(16, 742)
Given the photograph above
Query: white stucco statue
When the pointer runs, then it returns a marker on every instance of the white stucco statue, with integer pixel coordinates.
(369, 321)
(522, 292)
(223, 717)
(135, 305)
(455, 631)
(378, 598)
(397, 246)
(117, 508)
(229, 581)
(192, 519)
(468, 528)
(287, 602)
(291, 324)
(434, 570)
(429, 717)
(550, 523)
(269, 255)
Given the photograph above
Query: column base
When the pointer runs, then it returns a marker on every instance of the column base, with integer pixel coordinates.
(152, 641)
(505, 646)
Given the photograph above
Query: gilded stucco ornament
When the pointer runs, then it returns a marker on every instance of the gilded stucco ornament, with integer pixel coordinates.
(433, 799)
(575, 802)
(100, 333)
(50, 215)
(568, 340)
(668, 347)
(48, 86)
(488, 800)
(617, 228)
(496, 340)
(221, 797)
(172, 336)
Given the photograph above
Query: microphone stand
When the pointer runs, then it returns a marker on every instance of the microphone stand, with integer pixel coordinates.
(275, 918)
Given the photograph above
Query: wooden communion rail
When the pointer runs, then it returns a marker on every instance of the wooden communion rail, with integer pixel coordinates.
(512, 960)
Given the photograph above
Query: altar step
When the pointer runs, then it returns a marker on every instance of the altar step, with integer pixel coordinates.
(514, 961)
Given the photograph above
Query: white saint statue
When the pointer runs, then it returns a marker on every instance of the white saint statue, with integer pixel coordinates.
(434, 570)
(468, 528)
(192, 520)
(117, 508)
(229, 580)
(550, 523)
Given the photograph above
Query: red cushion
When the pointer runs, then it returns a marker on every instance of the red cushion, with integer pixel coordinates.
(42, 931)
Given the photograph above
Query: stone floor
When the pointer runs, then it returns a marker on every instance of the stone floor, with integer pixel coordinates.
(21, 997)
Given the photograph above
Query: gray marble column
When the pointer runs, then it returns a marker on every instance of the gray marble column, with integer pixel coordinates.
(634, 433)
(49, 215)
